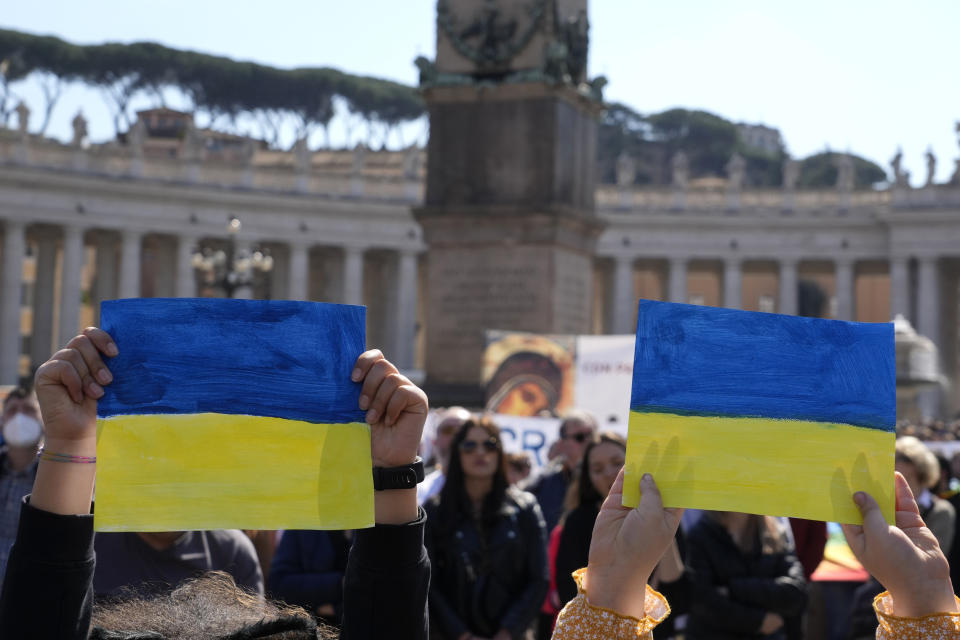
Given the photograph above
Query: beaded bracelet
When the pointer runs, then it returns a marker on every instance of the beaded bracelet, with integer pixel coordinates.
(49, 456)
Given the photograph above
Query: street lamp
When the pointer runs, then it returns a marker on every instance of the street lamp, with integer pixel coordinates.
(232, 269)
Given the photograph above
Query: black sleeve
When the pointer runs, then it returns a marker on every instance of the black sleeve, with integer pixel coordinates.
(528, 603)
(784, 593)
(386, 583)
(572, 552)
(48, 588)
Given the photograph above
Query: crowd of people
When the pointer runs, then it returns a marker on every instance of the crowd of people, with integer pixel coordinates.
(482, 549)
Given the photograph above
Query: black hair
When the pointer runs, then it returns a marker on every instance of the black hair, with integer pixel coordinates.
(454, 502)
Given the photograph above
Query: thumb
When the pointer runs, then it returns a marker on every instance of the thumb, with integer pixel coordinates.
(650, 498)
(874, 523)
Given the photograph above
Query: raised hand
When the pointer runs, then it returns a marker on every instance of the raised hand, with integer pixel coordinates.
(69, 384)
(396, 410)
(627, 545)
(906, 559)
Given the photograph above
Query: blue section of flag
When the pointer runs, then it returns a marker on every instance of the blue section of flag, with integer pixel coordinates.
(254, 357)
(693, 360)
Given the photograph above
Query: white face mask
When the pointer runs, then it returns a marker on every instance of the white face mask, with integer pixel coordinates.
(22, 431)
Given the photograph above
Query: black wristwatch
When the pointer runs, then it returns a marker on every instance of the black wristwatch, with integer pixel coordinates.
(406, 477)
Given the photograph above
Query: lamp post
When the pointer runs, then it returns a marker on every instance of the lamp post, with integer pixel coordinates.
(233, 269)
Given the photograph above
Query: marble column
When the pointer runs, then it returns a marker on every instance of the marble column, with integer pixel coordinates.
(185, 280)
(298, 284)
(844, 286)
(928, 299)
(622, 321)
(900, 287)
(405, 321)
(14, 249)
(788, 287)
(70, 286)
(353, 275)
(677, 280)
(130, 264)
(43, 299)
(732, 283)
(105, 279)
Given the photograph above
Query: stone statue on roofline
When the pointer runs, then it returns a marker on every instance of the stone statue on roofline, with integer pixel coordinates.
(302, 156)
(896, 163)
(681, 170)
(791, 173)
(136, 137)
(931, 166)
(359, 158)
(79, 124)
(846, 172)
(23, 118)
(736, 172)
(626, 170)
(411, 162)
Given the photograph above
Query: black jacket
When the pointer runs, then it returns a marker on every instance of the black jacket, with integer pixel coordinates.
(486, 583)
(732, 591)
(48, 594)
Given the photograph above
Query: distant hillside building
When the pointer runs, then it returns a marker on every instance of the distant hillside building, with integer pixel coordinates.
(760, 137)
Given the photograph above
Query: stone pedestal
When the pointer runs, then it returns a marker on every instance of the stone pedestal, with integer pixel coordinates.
(509, 218)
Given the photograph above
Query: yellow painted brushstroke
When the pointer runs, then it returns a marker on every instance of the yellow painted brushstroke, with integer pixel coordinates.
(215, 471)
(757, 465)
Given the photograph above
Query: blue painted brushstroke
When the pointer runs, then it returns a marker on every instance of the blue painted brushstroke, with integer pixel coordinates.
(255, 357)
(724, 362)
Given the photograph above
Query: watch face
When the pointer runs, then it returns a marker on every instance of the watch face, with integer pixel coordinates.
(490, 32)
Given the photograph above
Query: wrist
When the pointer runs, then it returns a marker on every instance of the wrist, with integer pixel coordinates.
(934, 598)
(622, 591)
(395, 506)
(74, 447)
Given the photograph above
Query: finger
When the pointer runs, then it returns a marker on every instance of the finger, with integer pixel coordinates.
(391, 382)
(905, 499)
(88, 384)
(614, 499)
(407, 399)
(371, 385)
(91, 356)
(102, 341)
(60, 372)
(874, 524)
(366, 360)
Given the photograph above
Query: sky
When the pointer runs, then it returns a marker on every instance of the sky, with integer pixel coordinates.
(864, 76)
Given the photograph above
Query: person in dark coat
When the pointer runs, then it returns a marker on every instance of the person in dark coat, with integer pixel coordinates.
(746, 580)
(308, 570)
(487, 544)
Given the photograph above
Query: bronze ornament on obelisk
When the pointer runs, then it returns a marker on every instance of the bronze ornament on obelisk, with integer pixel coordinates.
(509, 210)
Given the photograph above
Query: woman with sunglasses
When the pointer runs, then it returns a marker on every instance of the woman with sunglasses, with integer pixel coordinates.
(487, 544)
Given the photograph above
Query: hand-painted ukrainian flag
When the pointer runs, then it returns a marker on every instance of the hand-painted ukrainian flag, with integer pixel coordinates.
(232, 414)
(762, 413)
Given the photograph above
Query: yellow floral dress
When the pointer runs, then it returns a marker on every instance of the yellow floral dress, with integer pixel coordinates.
(580, 620)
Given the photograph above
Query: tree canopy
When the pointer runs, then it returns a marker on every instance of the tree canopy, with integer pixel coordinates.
(709, 141)
(219, 85)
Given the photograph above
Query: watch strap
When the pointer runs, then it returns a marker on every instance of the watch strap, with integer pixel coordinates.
(407, 476)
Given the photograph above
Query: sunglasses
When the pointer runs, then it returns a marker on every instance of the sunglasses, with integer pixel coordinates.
(579, 437)
(489, 446)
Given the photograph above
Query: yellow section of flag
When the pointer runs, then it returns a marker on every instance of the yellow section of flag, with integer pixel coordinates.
(760, 465)
(214, 471)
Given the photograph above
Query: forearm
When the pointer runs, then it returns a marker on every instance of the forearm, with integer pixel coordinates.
(65, 488)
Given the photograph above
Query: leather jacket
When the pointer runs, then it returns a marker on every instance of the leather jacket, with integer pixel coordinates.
(484, 583)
